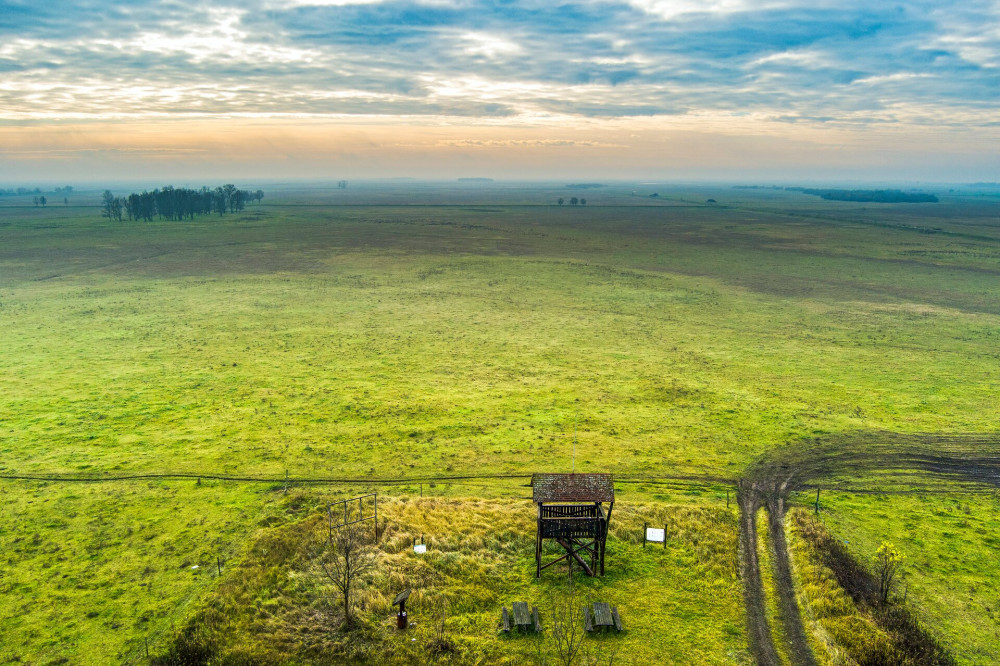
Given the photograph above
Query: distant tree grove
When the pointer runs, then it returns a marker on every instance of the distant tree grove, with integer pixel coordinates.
(176, 203)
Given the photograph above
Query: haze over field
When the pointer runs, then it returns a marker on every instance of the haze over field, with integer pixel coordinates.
(526, 89)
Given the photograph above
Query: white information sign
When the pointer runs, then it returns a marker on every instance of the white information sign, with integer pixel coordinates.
(422, 547)
(654, 534)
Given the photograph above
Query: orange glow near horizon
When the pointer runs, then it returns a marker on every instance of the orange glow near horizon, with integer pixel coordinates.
(673, 147)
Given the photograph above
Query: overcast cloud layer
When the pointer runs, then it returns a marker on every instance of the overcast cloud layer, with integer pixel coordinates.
(845, 64)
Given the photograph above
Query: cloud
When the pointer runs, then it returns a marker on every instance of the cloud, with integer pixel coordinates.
(792, 60)
(526, 143)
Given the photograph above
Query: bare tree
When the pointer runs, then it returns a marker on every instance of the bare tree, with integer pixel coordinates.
(344, 558)
(229, 192)
(601, 656)
(567, 627)
(107, 204)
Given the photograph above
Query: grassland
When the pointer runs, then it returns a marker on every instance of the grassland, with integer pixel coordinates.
(377, 333)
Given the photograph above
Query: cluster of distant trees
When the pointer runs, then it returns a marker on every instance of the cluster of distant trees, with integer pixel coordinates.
(21, 191)
(573, 201)
(877, 196)
(177, 203)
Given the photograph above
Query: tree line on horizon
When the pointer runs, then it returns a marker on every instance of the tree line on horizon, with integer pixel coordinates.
(833, 194)
(874, 196)
(21, 191)
(176, 203)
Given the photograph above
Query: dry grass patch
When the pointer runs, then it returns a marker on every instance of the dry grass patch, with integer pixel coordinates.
(674, 600)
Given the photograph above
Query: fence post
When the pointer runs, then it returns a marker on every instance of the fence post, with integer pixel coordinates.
(817, 500)
(664, 536)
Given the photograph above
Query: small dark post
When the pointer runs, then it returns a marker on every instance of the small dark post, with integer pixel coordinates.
(218, 563)
(645, 526)
(817, 500)
(664, 536)
(727, 498)
(421, 490)
(401, 620)
(286, 481)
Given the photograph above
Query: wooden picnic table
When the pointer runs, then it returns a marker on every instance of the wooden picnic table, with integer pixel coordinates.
(520, 617)
(601, 617)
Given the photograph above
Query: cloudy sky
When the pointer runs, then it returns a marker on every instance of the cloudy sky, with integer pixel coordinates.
(674, 89)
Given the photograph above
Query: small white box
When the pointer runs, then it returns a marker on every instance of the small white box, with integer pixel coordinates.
(422, 547)
(654, 534)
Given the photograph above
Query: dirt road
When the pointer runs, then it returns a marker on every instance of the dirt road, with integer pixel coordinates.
(888, 462)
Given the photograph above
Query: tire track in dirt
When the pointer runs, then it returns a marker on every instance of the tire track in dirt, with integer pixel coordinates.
(754, 599)
(872, 457)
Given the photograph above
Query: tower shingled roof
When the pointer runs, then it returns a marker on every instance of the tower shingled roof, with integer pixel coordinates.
(573, 487)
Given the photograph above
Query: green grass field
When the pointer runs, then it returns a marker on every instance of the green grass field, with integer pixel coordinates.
(408, 331)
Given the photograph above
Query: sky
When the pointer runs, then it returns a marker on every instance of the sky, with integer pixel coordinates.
(725, 90)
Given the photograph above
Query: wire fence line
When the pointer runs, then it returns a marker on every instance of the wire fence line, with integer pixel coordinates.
(706, 479)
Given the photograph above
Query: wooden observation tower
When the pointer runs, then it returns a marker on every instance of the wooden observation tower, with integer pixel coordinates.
(571, 511)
